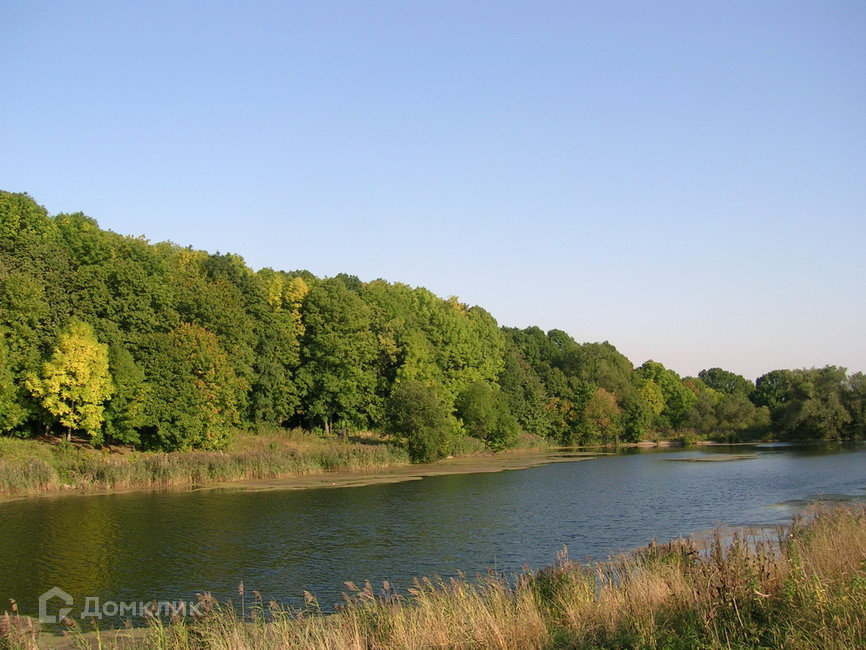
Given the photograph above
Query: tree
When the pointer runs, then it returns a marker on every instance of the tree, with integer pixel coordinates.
(524, 392)
(416, 415)
(486, 416)
(813, 405)
(193, 392)
(726, 382)
(602, 418)
(734, 412)
(12, 410)
(652, 396)
(855, 403)
(637, 417)
(771, 389)
(21, 216)
(124, 414)
(338, 354)
(679, 400)
(75, 383)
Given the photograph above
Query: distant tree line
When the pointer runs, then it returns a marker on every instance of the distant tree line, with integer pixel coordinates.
(163, 347)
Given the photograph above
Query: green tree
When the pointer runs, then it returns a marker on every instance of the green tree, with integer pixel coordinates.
(524, 392)
(726, 382)
(12, 408)
(636, 419)
(771, 389)
(679, 400)
(813, 405)
(652, 396)
(602, 418)
(75, 383)
(855, 404)
(485, 415)
(338, 355)
(417, 416)
(192, 392)
(21, 216)
(124, 414)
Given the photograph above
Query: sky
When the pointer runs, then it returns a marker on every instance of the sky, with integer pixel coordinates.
(686, 180)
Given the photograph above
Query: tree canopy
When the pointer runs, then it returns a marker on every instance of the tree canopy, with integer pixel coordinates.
(160, 346)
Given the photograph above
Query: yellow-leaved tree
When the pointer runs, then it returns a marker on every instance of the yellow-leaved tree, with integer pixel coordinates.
(75, 382)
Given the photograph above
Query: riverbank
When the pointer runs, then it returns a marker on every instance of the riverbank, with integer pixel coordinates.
(271, 459)
(31, 467)
(804, 589)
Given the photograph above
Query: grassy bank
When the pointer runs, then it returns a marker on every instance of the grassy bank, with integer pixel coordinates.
(805, 589)
(32, 467)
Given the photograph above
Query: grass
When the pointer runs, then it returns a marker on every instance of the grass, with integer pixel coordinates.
(804, 589)
(32, 467)
(29, 467)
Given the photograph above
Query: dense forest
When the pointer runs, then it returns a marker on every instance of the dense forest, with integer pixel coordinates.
(163, 347)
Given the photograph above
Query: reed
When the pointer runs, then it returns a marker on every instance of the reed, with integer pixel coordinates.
(30, 467)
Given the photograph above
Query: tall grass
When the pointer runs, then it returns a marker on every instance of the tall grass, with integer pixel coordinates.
(29, 467)
(804, 589)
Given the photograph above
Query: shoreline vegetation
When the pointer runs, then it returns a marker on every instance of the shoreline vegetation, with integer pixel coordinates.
(805, 587)
(270, 458)
(273, 458)
(122, 343)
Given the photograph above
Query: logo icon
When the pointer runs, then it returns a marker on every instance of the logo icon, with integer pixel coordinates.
(63, 612)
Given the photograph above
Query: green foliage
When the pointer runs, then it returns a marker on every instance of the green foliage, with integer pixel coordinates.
(524, 392)
(600, 364)
(193, 393)
(813, 405)
(602, 418)
(855, 404)
(652, 396)
(21, 216)
(12, 408)
(771, 389)
(636, 418)
(338, 353)
(75, 383)
(485, 415)
(726, 382)
(416, 415)
(679, 400)
(124, 415)
(288, 348)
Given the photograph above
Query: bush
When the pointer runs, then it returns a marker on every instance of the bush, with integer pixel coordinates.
(416, 414)
(486, 415)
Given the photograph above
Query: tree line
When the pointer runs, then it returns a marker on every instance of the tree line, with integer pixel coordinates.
(164, 347)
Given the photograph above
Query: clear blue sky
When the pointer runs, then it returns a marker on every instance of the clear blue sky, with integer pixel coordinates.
(684, 179)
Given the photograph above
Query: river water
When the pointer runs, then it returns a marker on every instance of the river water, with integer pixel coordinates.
(168, 546)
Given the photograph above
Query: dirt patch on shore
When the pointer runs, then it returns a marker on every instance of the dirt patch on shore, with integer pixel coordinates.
(356, 478)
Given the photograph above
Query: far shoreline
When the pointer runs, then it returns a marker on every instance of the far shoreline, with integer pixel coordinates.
(342, 478)
(390, 471)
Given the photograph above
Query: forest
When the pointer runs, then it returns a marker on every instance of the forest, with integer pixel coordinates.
(163, 347)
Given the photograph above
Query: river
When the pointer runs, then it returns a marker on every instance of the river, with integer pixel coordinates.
(168, 546)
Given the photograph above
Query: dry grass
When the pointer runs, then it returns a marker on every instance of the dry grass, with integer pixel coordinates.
(806, 588)
(31, 467)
